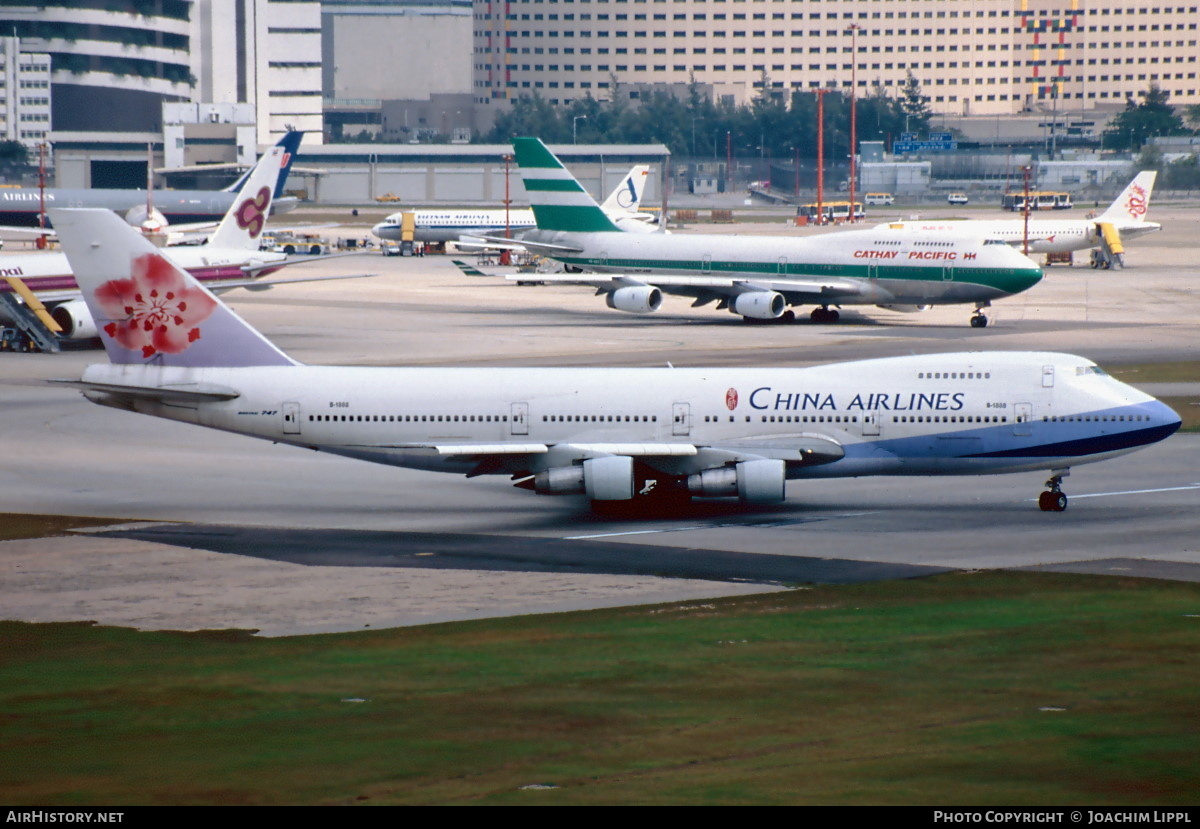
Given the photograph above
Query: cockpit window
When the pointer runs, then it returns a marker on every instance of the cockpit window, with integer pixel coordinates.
(1082, 370)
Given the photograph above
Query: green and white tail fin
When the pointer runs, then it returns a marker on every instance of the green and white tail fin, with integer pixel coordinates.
(559, 201)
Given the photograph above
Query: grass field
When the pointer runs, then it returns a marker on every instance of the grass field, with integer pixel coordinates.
(970, 689)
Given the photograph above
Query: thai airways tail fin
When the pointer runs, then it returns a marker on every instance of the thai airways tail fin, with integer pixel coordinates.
(247, 216)
(1134, 201)
(559, 201)
(148, 310)
(291, 145)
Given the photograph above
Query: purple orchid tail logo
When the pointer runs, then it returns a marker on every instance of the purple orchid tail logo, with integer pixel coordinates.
(251, 214)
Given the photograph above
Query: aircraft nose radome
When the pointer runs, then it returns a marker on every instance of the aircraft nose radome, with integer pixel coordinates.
(1166, 417)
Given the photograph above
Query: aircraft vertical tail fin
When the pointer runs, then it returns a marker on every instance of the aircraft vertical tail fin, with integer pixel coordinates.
(1134, 201)
(627, 197)
(243, 224)
(149, 311)
(559, 201)
(291, 145)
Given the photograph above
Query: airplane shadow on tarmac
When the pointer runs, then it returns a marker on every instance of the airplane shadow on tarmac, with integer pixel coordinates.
(535, 554)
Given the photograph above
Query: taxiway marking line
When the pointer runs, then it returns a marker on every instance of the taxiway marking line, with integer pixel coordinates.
(1131, 492)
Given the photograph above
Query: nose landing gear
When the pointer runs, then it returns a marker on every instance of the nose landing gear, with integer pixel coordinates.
(1054, 499)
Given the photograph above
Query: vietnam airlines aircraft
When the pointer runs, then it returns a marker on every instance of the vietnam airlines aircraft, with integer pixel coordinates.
(230, 259)
(19, 207)
(1124, 219)
(759, 276)
(620, 436)
(622, 206)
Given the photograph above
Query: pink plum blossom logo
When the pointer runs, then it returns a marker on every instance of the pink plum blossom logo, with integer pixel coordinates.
(251, 214)
(155, 310)
(731, 399)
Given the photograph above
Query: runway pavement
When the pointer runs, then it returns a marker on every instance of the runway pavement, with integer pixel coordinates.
(244, 533)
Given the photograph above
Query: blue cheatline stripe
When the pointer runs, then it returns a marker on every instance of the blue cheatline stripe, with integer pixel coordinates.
(1086, 446)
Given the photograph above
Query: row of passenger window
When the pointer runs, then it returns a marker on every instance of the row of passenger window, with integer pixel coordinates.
(408, 418)
(1095, 418)
(949, 419)
(599, 418)
(954, 375)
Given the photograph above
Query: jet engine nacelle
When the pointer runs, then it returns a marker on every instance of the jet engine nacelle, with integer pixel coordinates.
(144, 219)
(601, 479)
(76, 320)
(759, 305)
(754, 482)
(907, 309)
(636, 299)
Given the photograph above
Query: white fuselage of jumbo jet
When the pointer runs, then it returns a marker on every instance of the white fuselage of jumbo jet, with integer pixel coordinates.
(961, 413)
(874, 266)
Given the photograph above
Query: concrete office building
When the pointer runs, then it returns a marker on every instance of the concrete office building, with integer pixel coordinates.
(266, 53)
(971, 57)
(24, 94)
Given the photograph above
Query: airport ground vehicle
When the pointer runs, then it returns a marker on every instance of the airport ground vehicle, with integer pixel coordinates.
(309, 243)
(957, 198)
(879, 198)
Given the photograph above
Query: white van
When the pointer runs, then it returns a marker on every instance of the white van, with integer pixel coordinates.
(879, 198)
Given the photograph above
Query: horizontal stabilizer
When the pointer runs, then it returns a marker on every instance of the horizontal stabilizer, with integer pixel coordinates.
(536, 247)
(263, 284)
(186, 393)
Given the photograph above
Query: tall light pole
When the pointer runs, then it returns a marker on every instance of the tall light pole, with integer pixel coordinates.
(575, 127)
(854, 27)
(821, 155)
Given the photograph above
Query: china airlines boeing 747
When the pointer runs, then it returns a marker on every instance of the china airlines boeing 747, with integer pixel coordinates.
(619, 436)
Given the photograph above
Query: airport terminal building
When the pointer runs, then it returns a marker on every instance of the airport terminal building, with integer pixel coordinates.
(971, 57)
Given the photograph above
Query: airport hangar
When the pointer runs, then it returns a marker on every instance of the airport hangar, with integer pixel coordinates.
(431, 175)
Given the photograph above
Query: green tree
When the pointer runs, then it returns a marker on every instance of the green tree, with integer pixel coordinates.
(1183, 174)
(914, 106)
(1141, 122)
(14, 157)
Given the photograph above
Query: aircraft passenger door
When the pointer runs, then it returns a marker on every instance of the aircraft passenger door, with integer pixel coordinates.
(781, 266)
(1047, 377)
(870, 424)
(291, 418)
(948, 273)
(681, 419)
(519, 420)
(706, 264)
(1022, 419)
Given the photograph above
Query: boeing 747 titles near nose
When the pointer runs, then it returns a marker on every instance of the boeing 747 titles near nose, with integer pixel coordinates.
(619, 436)
(758, 277)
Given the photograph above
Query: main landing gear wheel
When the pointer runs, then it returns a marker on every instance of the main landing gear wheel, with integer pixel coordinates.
(1053, 499)
(979, 321)
(824, 314)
